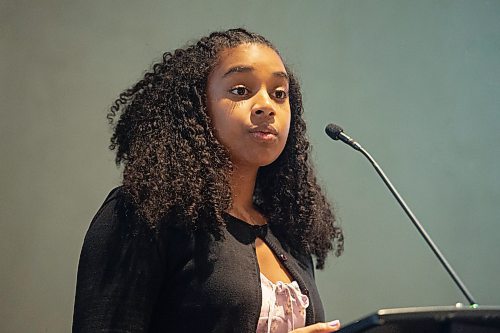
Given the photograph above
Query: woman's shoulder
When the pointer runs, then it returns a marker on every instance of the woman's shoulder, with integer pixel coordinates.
(114, 194)
(121, 262)
(118, 220)
(119, 207)
(113, 202)
(117, 199)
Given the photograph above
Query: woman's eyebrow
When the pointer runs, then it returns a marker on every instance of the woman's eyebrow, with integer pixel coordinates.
(246, 69)
(282, 74)
(239, 69)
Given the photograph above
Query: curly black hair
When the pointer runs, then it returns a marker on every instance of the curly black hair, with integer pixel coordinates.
(175, 166)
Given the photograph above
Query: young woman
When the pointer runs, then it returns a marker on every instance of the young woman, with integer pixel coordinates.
(219, 214)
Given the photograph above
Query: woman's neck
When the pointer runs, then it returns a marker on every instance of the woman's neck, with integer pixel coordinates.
(242, 188)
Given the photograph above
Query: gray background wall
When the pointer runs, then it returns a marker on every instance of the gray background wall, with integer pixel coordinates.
(416, 82)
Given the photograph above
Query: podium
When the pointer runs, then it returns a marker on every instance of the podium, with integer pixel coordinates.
(446, 319)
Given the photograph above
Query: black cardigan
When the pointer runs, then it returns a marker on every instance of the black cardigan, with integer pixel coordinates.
(133, 279)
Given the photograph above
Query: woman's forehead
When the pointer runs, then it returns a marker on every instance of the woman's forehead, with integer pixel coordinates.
(249, 56)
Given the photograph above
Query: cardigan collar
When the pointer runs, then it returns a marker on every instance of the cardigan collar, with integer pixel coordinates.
(243, 231)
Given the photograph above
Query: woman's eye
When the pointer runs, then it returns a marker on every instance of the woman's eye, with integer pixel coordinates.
(240, 91)
(280, 94)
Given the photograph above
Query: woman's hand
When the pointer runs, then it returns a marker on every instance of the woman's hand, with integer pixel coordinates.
(331, 326)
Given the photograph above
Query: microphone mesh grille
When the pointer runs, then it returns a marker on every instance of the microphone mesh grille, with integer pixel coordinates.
(333, 131)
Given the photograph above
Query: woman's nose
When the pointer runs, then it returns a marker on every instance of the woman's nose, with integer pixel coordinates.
(263, 105)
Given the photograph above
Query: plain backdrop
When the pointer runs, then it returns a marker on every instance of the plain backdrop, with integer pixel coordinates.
(416, 82)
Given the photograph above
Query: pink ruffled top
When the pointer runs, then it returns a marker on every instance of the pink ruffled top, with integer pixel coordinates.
(283, 307)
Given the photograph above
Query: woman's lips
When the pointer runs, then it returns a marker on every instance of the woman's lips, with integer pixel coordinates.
(266, 134)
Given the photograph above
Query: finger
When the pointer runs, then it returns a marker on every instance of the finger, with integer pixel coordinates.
(320, 328)
(334, 325)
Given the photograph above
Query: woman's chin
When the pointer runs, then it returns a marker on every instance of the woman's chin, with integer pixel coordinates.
(258, 161)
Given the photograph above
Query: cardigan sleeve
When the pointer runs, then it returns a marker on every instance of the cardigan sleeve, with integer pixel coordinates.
(120, 272)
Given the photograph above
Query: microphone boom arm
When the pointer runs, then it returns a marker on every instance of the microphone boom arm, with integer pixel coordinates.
(338, 134)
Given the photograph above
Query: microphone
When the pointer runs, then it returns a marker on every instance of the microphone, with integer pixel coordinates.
(337, 133)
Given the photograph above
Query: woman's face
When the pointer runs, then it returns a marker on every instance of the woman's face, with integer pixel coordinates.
(248, 103)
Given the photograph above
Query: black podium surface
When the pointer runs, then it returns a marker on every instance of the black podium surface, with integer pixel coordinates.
(447, 319)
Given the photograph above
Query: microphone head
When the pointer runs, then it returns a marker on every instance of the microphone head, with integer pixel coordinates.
(333, 131)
